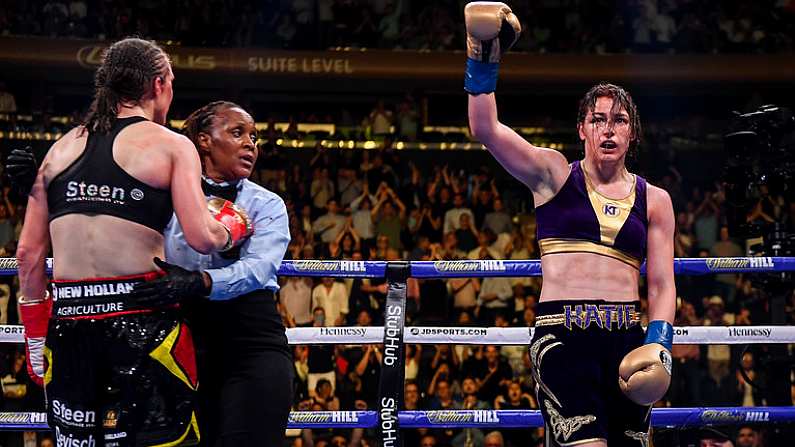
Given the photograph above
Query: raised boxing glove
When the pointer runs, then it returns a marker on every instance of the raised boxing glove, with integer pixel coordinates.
(233, 218)
(491, 30)
(645, 373)
(35, 316)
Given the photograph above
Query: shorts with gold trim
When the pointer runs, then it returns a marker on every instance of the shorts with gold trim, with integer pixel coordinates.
(123, 377)
(575, 352)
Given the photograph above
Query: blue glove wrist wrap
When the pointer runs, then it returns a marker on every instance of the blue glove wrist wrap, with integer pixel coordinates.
(480, 77)
(660, 331)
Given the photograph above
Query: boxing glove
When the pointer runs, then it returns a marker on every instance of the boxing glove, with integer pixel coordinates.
(22, 168)
(233, 218)
(491, 30)
(645, 373)
(35, 316)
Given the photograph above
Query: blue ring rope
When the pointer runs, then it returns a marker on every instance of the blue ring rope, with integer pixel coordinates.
(663, 417)
(660, 417)
(490, 268)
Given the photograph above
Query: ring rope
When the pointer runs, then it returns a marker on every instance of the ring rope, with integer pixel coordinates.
(729, 335)
(431, 335)
(488, 268)
(665, 417)
(660, 418)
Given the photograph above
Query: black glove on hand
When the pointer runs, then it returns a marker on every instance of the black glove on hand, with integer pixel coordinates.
(176, 286)
(22, 168)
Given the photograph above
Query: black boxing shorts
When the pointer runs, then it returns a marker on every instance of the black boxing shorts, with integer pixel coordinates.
(575, 352)
(119, 374)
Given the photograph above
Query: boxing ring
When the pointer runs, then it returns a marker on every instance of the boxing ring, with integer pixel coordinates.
(389, 417)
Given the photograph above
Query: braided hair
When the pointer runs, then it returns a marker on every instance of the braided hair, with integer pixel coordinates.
(128, 68)
(621, 99)
(201, 120)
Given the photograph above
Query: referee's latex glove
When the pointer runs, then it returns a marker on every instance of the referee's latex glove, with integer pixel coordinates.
(176, 286)
(22, 168)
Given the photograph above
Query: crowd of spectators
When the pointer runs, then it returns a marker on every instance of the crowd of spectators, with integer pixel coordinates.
(555, 26)
(387, 204)
(383, 206)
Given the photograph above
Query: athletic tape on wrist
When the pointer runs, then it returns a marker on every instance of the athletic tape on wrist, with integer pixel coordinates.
(660, 331)
(480, 77)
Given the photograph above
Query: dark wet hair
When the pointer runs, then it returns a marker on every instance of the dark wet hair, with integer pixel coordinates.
(201, 120)
(128, 68)
(621, 99)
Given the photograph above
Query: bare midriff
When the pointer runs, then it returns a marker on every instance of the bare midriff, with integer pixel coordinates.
(579, 276)
(102, 246)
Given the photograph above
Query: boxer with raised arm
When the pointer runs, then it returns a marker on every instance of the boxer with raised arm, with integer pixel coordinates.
(596, 372)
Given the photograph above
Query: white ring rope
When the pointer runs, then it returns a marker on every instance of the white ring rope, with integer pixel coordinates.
(359, 335)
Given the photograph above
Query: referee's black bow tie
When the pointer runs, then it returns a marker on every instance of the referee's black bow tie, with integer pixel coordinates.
(228, 192)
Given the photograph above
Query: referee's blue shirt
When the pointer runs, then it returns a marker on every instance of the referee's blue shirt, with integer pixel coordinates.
(260, 256)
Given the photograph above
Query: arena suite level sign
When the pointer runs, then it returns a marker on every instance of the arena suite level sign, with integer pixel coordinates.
(25, 53)
(315, 65)
(338, 64)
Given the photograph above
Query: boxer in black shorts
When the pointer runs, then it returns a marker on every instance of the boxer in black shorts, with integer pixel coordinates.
(116, 370)
(144, 355)
(596, 224)
(576, 349)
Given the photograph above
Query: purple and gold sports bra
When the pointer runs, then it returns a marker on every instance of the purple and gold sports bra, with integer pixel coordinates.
(578, 219)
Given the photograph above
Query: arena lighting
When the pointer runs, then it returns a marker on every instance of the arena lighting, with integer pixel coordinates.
(30, 136)
(330, 129)
(282, 126)
(30, 118)
(465, 129)
(301, 144)
(532, 130)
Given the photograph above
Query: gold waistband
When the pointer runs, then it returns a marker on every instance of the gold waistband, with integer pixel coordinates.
(555, 319)
(621, 317)
(552, 246)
